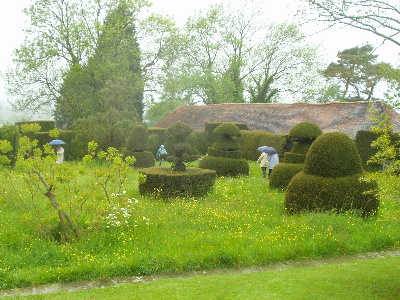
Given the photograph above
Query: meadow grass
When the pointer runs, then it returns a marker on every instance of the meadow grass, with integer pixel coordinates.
(241, 223)
(361, 279)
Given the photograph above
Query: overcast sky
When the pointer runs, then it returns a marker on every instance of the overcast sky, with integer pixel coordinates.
(334, 40)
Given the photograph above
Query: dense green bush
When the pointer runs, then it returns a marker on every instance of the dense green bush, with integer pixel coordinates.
(176, 144)
(302, 135)
(331, 179)
(333, 154)
(144, 159)
(283, 173)
(138, 139)
(225, 166)
(220, 155)
(311, 193)
(161, 182)
(305, 130)
(251, 140)
(45, 125)
(203, 141)
(136, 146)
(12, 134)
(363, 140)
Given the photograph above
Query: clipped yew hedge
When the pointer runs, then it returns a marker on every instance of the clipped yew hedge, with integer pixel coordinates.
(161, 182)
(283, 173)
(225, 166)
(331, 179)
(251, 140)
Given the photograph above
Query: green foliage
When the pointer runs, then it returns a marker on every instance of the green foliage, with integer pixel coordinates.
(161, 182)
(225, 166)
(305, 130)
(224, 153)
(227, 129)
(326, 194)
(138, 139)
(176, 144)
(358, 72)
(45, 125)
(226, 143)
(251, 140)
(203, 141)
(283, 173)
(11, 133)
(333, 154)
(143, 159)
(332, 179)
(108, 129)
(211, 126)
(294, 158)
(364, 139)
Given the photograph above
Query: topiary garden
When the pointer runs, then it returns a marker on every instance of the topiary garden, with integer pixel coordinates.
(177, 181)
(225, 156)
(332, 180)
(302, 134)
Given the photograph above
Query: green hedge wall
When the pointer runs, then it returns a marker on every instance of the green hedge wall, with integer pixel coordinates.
(45, 125)
(251, 140)
(225, 166)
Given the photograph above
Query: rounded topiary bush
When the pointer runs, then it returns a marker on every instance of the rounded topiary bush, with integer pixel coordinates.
(305, 130)
(162, 183)
(331, 179)
(333, 154)
(283, 173)
(177, 145)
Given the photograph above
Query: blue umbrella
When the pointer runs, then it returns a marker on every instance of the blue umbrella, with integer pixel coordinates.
(267, 149)
(57, 142)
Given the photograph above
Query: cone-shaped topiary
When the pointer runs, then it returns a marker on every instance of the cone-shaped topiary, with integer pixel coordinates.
(224, 155)
(303, 134)
(331, 179)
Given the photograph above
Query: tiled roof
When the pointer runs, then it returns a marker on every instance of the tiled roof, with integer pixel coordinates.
(347, 117)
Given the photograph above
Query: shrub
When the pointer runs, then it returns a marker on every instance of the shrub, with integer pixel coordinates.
(223, 149)
(161, 182)
(251, 140)
(302, 135)
(225, 166)
(176, 144)
(12, 134)
(305, 130)
(320, 194)
(331, 179)
(283, 173)
(333, 154)
(363, 140)
(45, 125)
(137, 140)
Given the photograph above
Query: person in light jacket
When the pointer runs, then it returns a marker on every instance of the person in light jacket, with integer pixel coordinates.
(60, 155)
(263, 161)
(273, 160)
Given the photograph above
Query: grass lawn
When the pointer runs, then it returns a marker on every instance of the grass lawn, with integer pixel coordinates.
(241, 223)
(363, 279)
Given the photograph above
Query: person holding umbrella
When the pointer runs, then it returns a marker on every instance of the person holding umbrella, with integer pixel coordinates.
(59, 150)
(263, 161)
(273, 160)
(270, 154)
